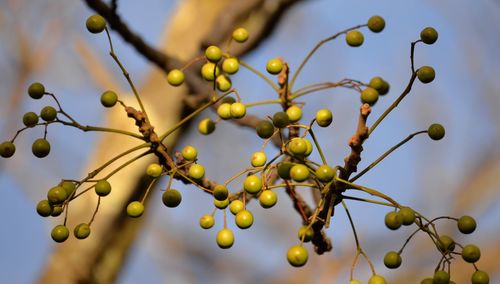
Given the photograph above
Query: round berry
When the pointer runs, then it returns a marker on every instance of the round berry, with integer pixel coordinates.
(135, 209)
(244, 219)
(207, 221)
(171, 198)
(426, 74)
(48, 113)
(223, 83)
(436, 131)
(59, 233)
(56, 195)
(466, 224)
(259, 159)
(305, 234)
(213, 53)
(408, 215)
(175, 77)
(30, 119)
(69, 187)
(56, 210)
(392, 260)
(36, 90)
(441, 277)
(189, 153)
(309, 147)
(393, 220)
(446, 243)
(299, 172)
(206, 126)
(102, 188)
(109, 98)
(154, 170)
(429, 35)
(40, 148)
(471, 253)
(354, 38)
(297, 146)
(225, 238)
(95, 24)
(265, 129)
(238, 110)
(284, 169)
(82, 231)
(427, 281)
(7, 149)
(297, 256)
(224, 111)
(43, 208)
(324, 117)
(252, 184)
(230, 65)
(268, 199)
(369, 96)
(221, 204)
(221, 192)
(376, 24)
(229, 100)
(325, 173)
(236, 206)
(380, 85)
(377, 279)
(209, 71)
(240, 35)
(294, 113)
(274, 66)
(196, 171)
(280, 119)
(480, 277)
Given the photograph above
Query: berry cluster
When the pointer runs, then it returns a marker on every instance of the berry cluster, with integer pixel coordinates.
(292, 166)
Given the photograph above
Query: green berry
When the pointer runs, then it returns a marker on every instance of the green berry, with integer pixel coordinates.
(171, 198)
(309, 147)
(429, 35)
(259, 159)
(82, 231)
(392, 260)
(268, 199)
(209, 71)
(240, 35)
(393, 220)
(380, 85)
(305, 234)
(427, 281)
(109, 98)
(236, 206)
(408, 215)
(223, 83)
(377, 279)
(43, 208)
(426, 74)
(36, 90)
(230, 65)
(213, 53)
(324, 117)
(436, 131)
(135, 209)
(30, 119)
(354, 38)
(274, 66)
(56, 210)
(284, 169)
(224, 111)
(206, 126)
(154, 170)
(297, 256)
(225, 238)
(369, 96)
(40, 148)
(294, 113)
(95, 24)
(221, 204)
(297, 146)
(69, 187)
(480, 277)
(229, 100)
(196, 171)
(221, 192)
(244, 219)
(56, 195)
(376, 24)
(252, 184)
(265, 129)
(471, 253)
(441, 277)
(207, 221)
(299, 172)
(175, 77)
(466, 224)
(189, 153)
(238, 110)
(280, 119)
(446, 243)
(102, 188)
(59, 233)
(325, 173)
(7, 149)
(48, 113)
